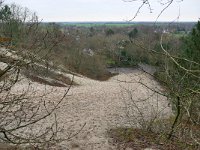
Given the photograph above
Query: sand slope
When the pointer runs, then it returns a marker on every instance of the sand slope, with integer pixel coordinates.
(99, 106)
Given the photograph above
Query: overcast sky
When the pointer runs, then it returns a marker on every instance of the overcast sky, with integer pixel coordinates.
(109, 10)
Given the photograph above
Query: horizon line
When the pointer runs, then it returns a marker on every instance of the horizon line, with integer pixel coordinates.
(119, 21)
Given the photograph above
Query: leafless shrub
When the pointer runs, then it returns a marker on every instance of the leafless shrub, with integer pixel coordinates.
(24, 109)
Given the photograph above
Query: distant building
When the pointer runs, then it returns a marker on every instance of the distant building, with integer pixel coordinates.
(88, 51)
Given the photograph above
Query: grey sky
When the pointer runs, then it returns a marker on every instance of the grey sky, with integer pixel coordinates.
(109, 10)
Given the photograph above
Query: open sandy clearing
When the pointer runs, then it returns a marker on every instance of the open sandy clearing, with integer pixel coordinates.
(120, 101)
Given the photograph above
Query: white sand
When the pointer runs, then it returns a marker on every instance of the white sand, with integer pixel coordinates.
(104, 105)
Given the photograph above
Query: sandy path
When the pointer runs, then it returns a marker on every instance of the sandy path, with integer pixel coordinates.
(104, 105)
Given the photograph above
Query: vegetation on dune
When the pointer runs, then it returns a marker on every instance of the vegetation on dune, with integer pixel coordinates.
(27, 50)
(135, 139)
(177, 59)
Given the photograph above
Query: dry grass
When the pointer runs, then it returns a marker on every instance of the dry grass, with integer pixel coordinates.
(139, 139)
(44, 81)
(100, 77)
(58, 81)
(106, 76)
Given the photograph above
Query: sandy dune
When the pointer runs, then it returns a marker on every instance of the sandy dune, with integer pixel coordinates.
(99, 106)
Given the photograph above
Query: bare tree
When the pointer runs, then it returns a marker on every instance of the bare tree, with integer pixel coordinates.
(23, 111)
(163, 3)
(181, 78)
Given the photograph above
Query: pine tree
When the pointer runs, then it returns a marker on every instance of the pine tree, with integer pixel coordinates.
(192, 44)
